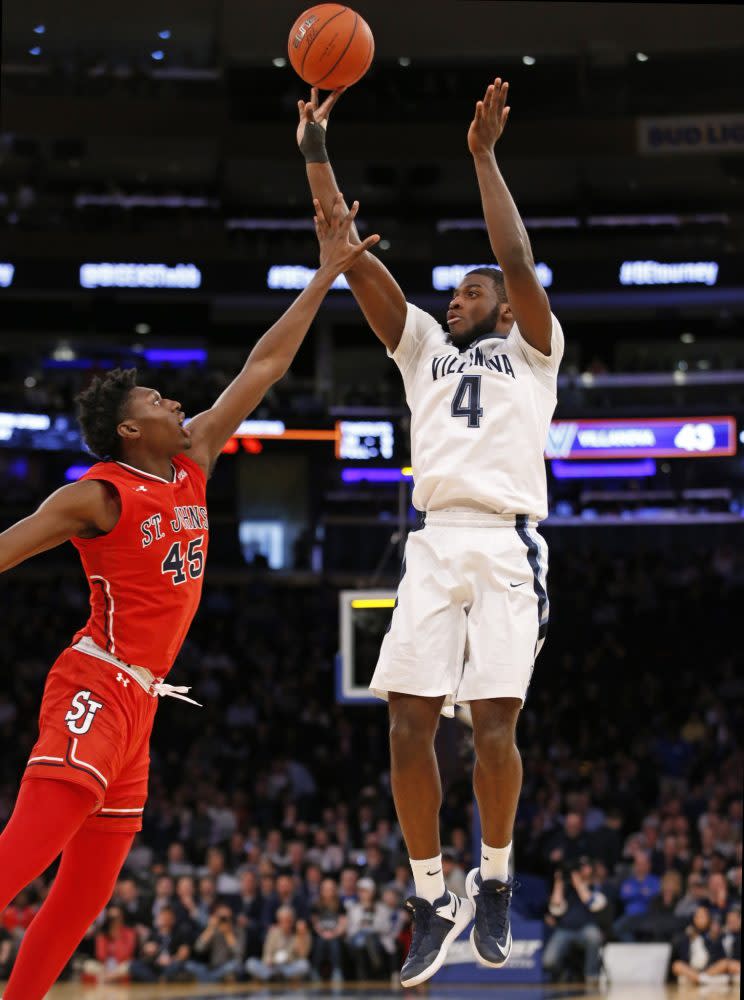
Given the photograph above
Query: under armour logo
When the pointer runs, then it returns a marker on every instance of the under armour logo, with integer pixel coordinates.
(140, 489)
(122, 679)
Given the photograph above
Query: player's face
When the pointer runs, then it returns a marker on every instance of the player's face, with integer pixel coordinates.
(156, 421)
(474, 310)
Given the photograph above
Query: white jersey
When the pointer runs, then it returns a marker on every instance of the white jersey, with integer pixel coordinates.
(479, 417)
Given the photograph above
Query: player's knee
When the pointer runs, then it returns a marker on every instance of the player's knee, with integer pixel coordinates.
(408, 738)
(494, 744)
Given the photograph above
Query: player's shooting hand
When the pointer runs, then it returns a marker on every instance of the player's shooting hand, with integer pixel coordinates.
(337, 254)
(490, 119)
(310, 111)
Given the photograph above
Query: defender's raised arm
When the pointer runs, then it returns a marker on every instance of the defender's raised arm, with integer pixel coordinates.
(373, 286)
(273, 354)
(509, 240)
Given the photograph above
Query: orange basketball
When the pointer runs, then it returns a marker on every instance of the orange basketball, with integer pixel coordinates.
(330, 46)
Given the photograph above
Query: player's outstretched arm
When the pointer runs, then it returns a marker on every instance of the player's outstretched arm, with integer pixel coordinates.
(82, 510)
(273, 354)
(509, 240)
(373, 286)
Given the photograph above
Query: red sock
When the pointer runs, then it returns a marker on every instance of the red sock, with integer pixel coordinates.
(47, 813)
(90, 865)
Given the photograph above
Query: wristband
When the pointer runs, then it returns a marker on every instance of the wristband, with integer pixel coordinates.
(313, 146)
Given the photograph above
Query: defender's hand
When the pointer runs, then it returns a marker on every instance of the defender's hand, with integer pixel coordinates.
(490, 119)
(310, 111)
(337, 254)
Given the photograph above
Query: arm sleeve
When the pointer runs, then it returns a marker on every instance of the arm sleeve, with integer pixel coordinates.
(419, 327)
(544, 366)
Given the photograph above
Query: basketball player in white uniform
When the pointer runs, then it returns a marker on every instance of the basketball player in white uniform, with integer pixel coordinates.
(472, 606)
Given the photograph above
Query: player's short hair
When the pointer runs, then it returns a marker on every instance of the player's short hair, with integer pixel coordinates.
(497, 277)
(101, 408)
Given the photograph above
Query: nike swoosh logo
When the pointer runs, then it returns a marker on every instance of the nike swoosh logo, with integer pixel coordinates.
(518, 584)
(434, 873)
(455, 906)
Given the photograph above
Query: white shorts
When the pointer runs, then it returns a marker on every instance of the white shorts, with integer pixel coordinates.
(471, 612)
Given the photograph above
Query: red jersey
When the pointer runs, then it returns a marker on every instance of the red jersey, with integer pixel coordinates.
(146, 575)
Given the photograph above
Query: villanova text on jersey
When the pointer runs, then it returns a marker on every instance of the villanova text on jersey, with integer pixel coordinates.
(453, 364)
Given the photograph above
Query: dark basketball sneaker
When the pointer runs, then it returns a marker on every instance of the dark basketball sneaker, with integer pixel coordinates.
(491, 935)
(435, 927)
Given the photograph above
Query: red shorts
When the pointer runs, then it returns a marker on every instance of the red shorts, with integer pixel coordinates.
(94, 730)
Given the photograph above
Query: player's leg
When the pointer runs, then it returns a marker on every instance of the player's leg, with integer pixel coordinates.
(90, 865)
(47, 814)
(506, 624)
(497, 779)
(416, 785)
(439, 916)
(418, 672)
(497, 782)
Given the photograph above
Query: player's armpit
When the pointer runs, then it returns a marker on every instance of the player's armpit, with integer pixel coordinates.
(83, 509)
(529, 303)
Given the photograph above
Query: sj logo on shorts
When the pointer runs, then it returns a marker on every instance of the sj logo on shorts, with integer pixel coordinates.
(80, 717)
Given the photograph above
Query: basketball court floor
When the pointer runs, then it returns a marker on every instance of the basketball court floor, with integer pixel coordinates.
(361, 991)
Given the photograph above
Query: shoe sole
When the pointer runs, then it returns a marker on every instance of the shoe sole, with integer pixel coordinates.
(478, 957)
(463, 918)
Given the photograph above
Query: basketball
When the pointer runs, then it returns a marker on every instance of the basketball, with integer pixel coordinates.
(330, 46)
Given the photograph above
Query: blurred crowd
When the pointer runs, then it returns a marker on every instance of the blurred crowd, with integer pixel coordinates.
(270, 848)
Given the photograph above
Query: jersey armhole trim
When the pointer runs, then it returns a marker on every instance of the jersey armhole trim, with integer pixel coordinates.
(76, 539)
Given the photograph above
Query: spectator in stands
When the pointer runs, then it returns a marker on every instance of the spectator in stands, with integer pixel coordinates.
(250, 913)
(570, 843)
(695, 896)
(226, 884)
(329, 923)
(285, 951)
(166, 950)
(718, 897)
(164, 893)
(636, 893)
(8, 948)
(698, 956)
(731, 935)
(219, 949)
(574, 909)
(186, 904)
(206, 899)
(19, 914)
(348, 886)
(116, 945)
(453, 872)
(606, 841)
(136, 911)
(369, 922)
(177, 865)
(660, 922)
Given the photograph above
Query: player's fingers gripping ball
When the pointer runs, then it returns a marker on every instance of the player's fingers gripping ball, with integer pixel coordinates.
(330, 46)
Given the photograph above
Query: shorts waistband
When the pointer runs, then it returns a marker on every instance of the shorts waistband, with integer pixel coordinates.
(152, 685)
(478, 519)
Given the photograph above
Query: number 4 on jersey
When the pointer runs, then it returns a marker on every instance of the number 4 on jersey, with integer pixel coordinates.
(174, 562)
(468, 389)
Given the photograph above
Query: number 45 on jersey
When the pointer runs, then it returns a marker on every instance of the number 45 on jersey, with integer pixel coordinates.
(185, 563)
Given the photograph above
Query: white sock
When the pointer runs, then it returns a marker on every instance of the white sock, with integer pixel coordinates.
(428, 878)
(495, 862)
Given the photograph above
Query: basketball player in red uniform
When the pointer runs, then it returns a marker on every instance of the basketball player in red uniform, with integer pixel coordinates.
(139, 521)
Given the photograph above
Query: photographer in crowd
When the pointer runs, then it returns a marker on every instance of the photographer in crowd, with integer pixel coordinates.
(574, 912)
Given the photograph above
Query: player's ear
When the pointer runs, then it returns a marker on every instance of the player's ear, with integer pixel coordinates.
(128, 429)
(506, 314)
